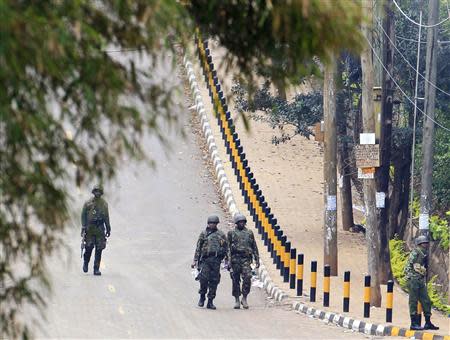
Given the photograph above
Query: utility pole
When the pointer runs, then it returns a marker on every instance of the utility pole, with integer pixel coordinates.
(343, 157)
(382, 175)
(330, 255)
(372, 234)
(428, 126)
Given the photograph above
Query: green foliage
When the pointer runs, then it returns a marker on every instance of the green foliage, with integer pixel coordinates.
(437, 298)
(300, 113)
(399, 257)
(280, 38)
(439, 229)
(67, 103)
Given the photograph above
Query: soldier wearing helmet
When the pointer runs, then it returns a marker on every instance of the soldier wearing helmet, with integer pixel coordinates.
(243, 250)
(95, 228)
(212, 248)
(416, 272)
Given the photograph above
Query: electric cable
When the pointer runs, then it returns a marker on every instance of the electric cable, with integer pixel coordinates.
(415, 22)
(401, 90)
(409, 64)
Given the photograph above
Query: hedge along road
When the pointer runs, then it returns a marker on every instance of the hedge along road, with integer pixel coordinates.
(146, 289)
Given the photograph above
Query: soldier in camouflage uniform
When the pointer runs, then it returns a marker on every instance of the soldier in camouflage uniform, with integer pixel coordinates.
(243, 249)
(212, 248)
(94, 220)
(416, 272)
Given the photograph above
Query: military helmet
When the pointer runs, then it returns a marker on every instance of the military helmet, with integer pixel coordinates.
(239, 218)
(421, 239)
(97, 187)
(213, 219)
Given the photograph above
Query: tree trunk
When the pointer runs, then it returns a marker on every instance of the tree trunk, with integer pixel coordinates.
(344, 161)
(428, 126)
(330, 189)
(382, 175)
(372, 234)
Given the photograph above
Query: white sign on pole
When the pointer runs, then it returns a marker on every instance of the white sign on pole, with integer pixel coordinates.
(366, 138)
(380, 199)
(424, 221)
(331, 203)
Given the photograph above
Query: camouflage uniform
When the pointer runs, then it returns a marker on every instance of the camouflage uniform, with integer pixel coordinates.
(212, 248)
(94, 219)
(416, 282)
(242, 249)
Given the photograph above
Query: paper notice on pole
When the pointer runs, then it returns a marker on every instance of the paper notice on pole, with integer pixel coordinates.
(341, 181)
(424, 221)
(380, 199)
(366, 138)
(363, 174)
(331, 203)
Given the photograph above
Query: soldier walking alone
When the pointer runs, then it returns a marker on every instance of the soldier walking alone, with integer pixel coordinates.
(212, 248)
(242, 250)
(416, 273)
(94, 220)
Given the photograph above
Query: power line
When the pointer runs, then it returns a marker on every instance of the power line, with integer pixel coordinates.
(403, 92)
(419, 24)
(409, 64)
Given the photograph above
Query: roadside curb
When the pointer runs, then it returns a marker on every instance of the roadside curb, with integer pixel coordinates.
(225, 187)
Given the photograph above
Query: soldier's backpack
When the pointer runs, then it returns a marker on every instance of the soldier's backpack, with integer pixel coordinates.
(93, 213)
(215, 243)
(242, 244)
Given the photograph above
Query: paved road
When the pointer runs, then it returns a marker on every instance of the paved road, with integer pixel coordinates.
(146, 290)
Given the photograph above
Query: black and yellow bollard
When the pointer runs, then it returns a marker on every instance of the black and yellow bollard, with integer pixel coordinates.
(346, 302)
(287, 261)
(367, 296)
(326, 285)
(292, 268)
(300, 259)
(389, 300)
(312, 291)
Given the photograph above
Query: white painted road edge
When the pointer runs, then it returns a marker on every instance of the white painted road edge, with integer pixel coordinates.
(272, 290)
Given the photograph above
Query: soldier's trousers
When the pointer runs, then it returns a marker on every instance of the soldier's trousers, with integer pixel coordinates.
(418, 292)
(95, 238)
(241, 270)
(209, 276)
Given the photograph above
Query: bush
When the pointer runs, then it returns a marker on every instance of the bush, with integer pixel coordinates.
(439, 229)
(399, 256)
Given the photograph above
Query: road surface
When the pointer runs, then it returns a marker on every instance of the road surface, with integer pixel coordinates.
(146, 289)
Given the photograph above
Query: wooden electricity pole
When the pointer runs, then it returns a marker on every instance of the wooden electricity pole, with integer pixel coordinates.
(330, 255)
(372, 234)
(428, 126)
(382, 175)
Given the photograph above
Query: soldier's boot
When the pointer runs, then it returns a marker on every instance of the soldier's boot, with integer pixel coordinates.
(210, 304)
(237, 304)
(415, 325)
(244, 302)
(429, 325)
(201, 302)
(97, 260)
(85, 266)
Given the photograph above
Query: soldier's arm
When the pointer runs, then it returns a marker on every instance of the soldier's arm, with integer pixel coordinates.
(254, 248)
(230, 242)
(106, 218)
(84, 216)
(227, 247)
(198, 249)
